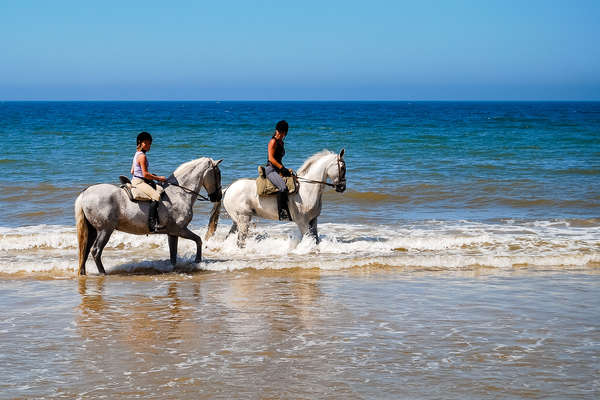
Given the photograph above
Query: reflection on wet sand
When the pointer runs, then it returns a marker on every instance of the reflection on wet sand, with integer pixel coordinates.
(307, 334)
(294, 296)
(217, 328)
(137, 321)
(250, 301)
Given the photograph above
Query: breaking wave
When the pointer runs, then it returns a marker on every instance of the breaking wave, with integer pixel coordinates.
(439, 245)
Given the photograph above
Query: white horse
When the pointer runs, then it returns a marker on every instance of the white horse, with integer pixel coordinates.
(242, 202)
(101, 209)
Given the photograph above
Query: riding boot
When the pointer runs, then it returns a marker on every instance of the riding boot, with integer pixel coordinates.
(153, 217)
(282, 206)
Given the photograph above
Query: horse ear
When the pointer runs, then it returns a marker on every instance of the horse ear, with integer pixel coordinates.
(342, 153)
(215, 163)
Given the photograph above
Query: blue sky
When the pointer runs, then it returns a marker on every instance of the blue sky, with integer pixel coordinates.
(300, 50)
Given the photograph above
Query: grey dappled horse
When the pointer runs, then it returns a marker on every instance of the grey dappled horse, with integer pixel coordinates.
(101, 209)
(242, 203)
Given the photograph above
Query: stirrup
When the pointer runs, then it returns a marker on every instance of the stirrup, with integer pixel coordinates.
(159, 229)
(157, 226)
(284, 215)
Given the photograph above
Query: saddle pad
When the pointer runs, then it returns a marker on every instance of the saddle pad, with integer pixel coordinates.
(264, 187)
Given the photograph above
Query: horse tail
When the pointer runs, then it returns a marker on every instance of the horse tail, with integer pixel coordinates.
(83, 234)
(213, 221)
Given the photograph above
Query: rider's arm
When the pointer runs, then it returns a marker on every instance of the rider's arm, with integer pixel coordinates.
(142, 161)
(272, 147)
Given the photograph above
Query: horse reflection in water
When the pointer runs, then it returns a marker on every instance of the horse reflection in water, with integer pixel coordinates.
(134, 323)
(263, 309)
(242, 202)
(165, 330)
(102, 209)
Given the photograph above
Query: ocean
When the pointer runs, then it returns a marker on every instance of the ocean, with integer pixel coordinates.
(430, 184)
(461, 262)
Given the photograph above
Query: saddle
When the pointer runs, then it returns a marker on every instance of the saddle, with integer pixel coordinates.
(264, 187)
(126, 186)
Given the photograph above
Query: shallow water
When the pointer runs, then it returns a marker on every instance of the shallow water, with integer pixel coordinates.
(359, 333)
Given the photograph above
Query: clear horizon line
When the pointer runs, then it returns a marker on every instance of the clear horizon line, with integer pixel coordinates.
(301, 100)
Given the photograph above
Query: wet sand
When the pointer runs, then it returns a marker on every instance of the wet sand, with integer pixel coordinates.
(384, 333)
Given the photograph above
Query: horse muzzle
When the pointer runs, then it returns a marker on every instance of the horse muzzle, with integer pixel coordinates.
(340, 187)
(215, 196)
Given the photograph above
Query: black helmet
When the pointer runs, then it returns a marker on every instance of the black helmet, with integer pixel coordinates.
(143, 136)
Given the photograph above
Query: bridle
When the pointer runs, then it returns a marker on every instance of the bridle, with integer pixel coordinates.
(214, 196)
(340, 186)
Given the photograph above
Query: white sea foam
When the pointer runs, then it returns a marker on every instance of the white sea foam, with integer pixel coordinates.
(429, 244)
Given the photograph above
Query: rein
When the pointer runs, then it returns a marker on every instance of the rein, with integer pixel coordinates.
(188, 190)
(333, 185)
(311, 181)
(201, 197)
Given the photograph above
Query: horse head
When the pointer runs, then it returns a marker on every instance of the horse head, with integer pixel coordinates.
(336, 171)
(212, 181)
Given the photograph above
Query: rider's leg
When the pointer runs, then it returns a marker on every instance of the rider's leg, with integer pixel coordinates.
(282, 206)
(153, 217)
(143, 191)
(282, 194)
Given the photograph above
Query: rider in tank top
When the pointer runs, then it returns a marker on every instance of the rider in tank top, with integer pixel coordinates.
(143, 180)
(275, 169)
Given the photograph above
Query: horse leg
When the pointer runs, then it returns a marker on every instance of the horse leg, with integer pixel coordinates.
(233, 229)
(173, 248)
(91, 238)
(303, 225)
(243, 226)
(101, 241)
(312, 229)
(187, 234)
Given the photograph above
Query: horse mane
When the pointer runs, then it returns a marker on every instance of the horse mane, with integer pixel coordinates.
(311, 160)
(187, 167)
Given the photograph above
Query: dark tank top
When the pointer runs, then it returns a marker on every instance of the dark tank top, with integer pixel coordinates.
(279, 151)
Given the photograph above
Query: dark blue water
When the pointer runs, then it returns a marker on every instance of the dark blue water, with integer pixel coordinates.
(405, 160)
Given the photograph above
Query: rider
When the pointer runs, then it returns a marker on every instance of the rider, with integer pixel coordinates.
(275, 169)
(143, 181)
